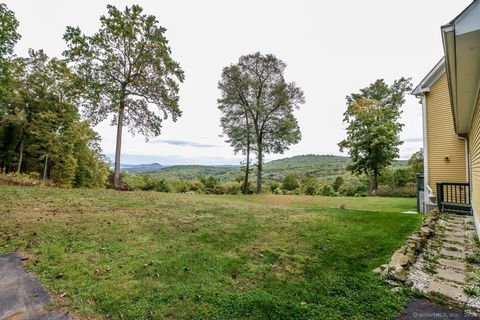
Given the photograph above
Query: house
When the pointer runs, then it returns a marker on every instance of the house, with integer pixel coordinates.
(451, 119)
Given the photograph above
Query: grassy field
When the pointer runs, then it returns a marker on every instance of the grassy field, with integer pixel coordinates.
(148, 255)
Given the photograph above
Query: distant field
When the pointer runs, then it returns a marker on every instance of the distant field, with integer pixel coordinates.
(150, 255)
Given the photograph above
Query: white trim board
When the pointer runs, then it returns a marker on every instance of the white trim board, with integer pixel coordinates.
(430, 79)
(426, 188)
(476, 222)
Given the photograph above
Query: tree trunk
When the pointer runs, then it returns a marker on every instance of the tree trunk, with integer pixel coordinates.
(370, 182)
(259, 167)
(116, 177)
(45, 168)
(375, 180)
(20, 156)
(247, 167)
(247, 170)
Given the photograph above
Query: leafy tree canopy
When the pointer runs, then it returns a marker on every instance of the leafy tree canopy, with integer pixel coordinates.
(8, 31)
(42, 131)
(255, 89)
(373, 131)
(8, 39)
(126, 70)
(416, 162)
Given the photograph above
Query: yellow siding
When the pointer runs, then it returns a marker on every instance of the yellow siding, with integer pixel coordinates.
(474, 144)
(441, 139)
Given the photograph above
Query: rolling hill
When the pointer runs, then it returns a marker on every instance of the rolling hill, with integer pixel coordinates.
(320, 166)
(140, 168)
(190, 172)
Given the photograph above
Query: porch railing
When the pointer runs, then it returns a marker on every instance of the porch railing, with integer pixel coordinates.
(454, 197)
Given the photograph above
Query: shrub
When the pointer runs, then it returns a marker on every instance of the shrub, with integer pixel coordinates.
(409, 190)
(402, 176)
(298, 191)
(219, 189)
(133, 182)
(310, 185)
(354, 188)
(22, 179)
(327, 190)
(211, 185)
(210, 182)
(197, 186)
(233, 187)
(279, 191)
(127, 182)
(34, 175)
(337, 183)
(180, 186)
(310, 190)
(274, 186)
(290, 182)
(347, 189)
(160, 185)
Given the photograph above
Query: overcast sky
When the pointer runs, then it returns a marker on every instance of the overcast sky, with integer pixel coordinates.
(332, 48)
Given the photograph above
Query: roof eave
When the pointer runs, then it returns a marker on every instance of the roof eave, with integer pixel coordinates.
(448, 38)
(424, 86)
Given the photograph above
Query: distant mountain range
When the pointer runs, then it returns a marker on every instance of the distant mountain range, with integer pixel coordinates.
(321, 166)
(140, 168)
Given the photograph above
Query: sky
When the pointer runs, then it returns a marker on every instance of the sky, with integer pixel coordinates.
(331, 48)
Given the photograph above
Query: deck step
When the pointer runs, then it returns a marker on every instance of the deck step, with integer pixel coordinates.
(458, 211)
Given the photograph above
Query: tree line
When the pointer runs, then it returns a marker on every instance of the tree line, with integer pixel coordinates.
(394, 181)
(40, 127)
(125, 72)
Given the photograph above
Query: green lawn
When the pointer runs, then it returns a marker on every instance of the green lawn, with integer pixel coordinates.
(148, 255)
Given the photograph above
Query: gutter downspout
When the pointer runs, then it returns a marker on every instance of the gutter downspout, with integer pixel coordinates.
(469, 178)
(467, 158)
(476, 221)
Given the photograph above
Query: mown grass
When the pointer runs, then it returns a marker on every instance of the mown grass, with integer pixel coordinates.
(149, 255)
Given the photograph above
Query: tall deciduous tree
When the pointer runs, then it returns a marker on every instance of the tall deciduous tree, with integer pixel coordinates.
(8, 39)
(373, 127)
(237, 126)
(8, 31)
(256, 87)
(235, 121)
(126, 70)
